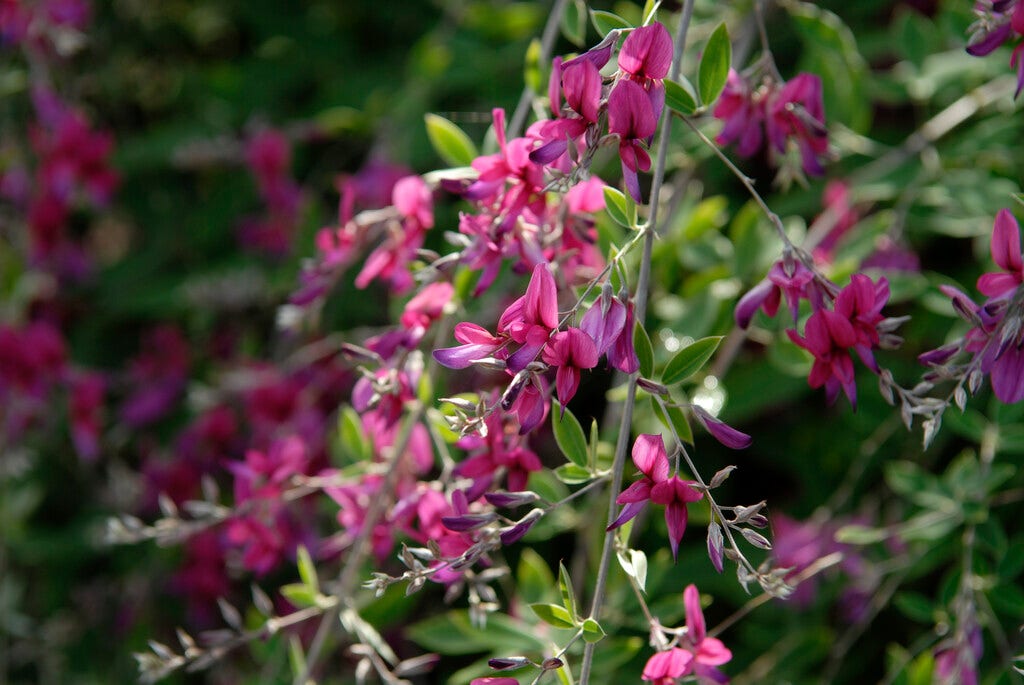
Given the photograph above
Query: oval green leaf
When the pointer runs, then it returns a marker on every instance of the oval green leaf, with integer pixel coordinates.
(621, 209)
(570, 437)
(554, 615)
(606, 22)
(449, 141)
(592, 631)
(714, 65)
(673, 418)
(644, 350)
(690, 359)
(679, 98)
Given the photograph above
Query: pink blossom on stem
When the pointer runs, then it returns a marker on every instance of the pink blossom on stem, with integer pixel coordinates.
(666, 667)
(675, 493)
(1006, 253)
(569, 350)
(742, 111)
(633, 119)
(708, 652)
(828, 337)
(797, 111)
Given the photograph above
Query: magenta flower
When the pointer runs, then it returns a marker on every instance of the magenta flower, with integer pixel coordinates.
(797, 112)
(1006, 254)
(648, 456)
(427, 306)
(708, 652)
(663, 668)
(531, 318)
(787, 277)
(675, 494)
(828, 337)
(741, 108)
(861, 302)
(656, 486)
(646, 54)
(632, 117)
(477, 343)
(569, 350)
(581, 82)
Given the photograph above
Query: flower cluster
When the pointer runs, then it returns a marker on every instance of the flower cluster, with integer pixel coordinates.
(783, 113)
(529, 331)
(995, 340)
(694, 653)
(842, 321)
(999, 21)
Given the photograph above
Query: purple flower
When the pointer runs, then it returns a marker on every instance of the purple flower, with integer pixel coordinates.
(722, 432)
(478, 343)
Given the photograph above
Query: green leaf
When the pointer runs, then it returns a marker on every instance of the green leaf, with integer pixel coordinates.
(713, 71)
(533, 577)
(307, 570)
(569, 436)
(296, 656)
(915, 606)
(673, 417)
(860, 535)
(620, 207)
(571, 474)
(450, 142)
(554, 615)
(574, 22)
(1008, 599)
(606, 22)
(679, 98)
(690, 359)
(353, 439)
(650, 7)
(644, 350)
(454, 634)
(592, 631)
(593, 445)
(568, 595)
(299, 594)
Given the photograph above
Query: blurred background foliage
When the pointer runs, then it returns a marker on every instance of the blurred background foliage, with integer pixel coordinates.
(182, 84)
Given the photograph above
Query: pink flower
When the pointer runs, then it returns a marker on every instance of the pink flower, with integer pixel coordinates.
(656, 486)
(569, 350)
(663, 668)
(721, 431)
(675, 493)
(708, 652)
(828, 337)
(631, 117)
(647, 53)
(797, 111)
(86, 413)
(1006, 254)
(427, 306)
(741, 108)
(477, 344)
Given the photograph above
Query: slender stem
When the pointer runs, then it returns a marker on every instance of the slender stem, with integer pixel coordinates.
(642, 292)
